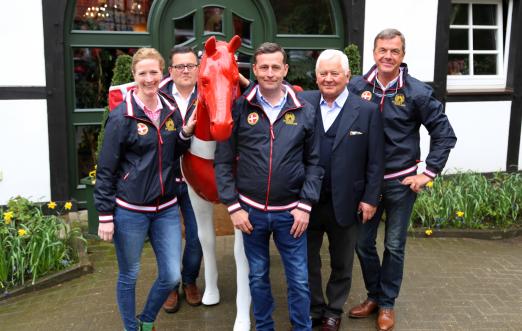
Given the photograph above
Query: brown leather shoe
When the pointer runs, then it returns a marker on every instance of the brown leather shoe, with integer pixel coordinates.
(363, 310)
(171, 305)
(192, 294)
(386, 319)
(331, 324)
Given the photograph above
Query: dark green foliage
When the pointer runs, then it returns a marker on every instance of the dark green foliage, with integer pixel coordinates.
(471, 201)
(354, 57)
(122, 74)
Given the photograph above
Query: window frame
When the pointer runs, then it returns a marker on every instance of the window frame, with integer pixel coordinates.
(483, 82)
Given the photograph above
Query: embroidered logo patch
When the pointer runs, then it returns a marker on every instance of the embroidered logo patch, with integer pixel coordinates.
(366, 95)
(253, 118)
(143, 129)
(289, 119)
(169, 125)
(399, 99)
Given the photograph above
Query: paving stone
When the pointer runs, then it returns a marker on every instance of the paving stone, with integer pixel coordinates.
(449, 284)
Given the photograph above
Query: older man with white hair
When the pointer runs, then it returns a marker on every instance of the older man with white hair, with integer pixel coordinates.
(353, 158)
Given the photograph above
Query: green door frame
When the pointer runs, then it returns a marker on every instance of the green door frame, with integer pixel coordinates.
(160, 17)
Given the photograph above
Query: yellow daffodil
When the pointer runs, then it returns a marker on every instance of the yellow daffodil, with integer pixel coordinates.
(51, 205)
(68, 205)
(429, 184)
(22, 232)
(8, 216)
(428, 232)
(460, 213)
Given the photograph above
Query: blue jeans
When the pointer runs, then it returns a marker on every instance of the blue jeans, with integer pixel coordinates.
(293, 253)
(383, 282)
(130, 230)
(192, 254)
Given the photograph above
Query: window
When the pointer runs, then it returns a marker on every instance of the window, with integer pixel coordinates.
(112, 15)
(478, 44)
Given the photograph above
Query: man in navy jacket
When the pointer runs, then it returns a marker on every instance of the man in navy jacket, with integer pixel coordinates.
(352, 155)
(405, 103)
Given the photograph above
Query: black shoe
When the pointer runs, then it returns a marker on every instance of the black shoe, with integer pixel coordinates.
(316, 321)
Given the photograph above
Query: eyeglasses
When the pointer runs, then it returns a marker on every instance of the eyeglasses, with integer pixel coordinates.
(181, 67)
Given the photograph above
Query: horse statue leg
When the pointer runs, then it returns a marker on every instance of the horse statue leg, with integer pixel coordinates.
(243, 298)
(203, 210)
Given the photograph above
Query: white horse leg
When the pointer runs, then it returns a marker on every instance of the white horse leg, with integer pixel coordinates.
(207, 237)
(243, 298)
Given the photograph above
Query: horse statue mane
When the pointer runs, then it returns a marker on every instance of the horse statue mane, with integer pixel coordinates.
(218, 87)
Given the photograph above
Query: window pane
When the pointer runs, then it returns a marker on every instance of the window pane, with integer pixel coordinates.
(184, 29)
(484, 39)
(484, 14)
(243, 62)
(112, 15)
(213, 19)
(243, 28)
(304, 17)
(458, 64)
(459, 14)
(458, 39)
(93, 74)
(86, 138)
(485, 64)
(302, 68)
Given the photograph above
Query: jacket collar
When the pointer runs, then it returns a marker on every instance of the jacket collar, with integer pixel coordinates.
(371, 76)
(291, 101)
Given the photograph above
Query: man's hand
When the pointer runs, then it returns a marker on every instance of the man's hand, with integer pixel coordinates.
(367, 211)
(243, 82)
(300, 222)
(416, 182)
(188, 129)
(241, 222)
(105, 231)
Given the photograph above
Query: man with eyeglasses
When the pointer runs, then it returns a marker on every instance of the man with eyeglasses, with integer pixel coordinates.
(405, 104)
(352, 156)
(268, 175)
(180, 88)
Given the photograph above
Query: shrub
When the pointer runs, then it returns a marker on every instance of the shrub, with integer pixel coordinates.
(354, 57)
(471, 200)
(32, 242)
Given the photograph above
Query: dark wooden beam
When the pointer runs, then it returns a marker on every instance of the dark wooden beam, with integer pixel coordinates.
(53, 20)
(516, 105)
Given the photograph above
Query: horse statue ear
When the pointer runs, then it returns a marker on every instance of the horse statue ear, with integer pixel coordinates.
(234, 44)
(210, 46)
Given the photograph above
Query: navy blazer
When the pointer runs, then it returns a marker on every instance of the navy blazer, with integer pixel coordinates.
(357, 164)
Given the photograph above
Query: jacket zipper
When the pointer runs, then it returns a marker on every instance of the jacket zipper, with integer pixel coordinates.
(160, 149)
(272, 138)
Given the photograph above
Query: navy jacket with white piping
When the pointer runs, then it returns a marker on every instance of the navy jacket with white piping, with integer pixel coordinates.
(136, 166)
(405, 106)
(270, 166)
(165, 89)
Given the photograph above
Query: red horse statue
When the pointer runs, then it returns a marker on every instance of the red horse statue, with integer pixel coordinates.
(218, 87)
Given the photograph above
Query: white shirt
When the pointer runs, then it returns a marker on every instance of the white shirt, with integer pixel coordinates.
(272, 111)
(329, 114)
(182, 102)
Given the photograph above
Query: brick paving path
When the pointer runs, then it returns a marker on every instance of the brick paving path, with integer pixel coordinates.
(450, 284)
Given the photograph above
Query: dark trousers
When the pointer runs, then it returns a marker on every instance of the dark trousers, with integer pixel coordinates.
(383, 280)
(341, 247)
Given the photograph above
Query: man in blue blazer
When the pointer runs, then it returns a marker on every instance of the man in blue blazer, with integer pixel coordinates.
(352, 155)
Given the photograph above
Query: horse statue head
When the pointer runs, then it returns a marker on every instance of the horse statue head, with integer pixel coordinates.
(218, 87)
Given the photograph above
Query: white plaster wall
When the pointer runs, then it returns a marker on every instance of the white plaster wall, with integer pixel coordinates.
(21, 29)
(24, 148)
(416, 19)
(482, 136)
